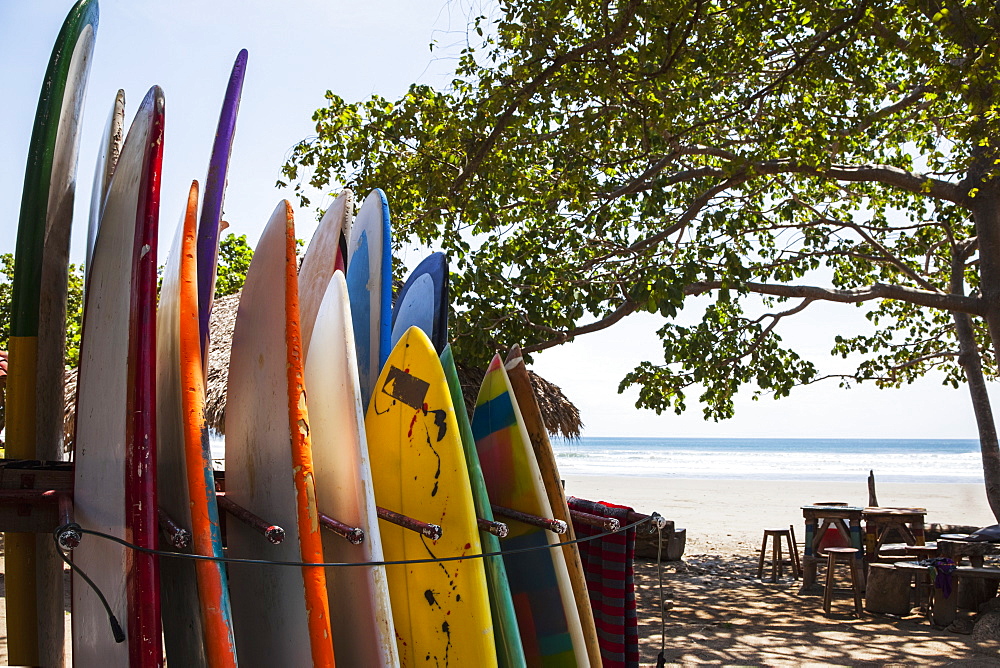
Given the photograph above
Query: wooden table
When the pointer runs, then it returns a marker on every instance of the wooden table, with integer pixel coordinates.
(974, 551)
(879, 522)
(847, 521)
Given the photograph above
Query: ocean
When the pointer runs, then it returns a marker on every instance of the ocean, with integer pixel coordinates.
(831, 459)
(893, 460)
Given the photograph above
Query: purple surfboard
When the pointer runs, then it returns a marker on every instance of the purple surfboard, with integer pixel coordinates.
(215, 192)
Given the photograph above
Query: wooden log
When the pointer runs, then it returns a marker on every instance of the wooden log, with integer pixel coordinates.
(933, 530)
(888, 590)
(674, 541)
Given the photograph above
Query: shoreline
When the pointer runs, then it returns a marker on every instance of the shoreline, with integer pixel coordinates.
(728, 516)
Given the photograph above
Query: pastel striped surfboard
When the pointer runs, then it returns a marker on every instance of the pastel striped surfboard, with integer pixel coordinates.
(524, 394)
(539, 581)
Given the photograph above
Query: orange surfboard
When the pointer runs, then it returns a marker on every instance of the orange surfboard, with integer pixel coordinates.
(197, 619)
(281, 615)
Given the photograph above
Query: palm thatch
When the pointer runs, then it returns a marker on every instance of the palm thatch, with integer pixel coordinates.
(69, 409)
(220, 327)
(561, 417)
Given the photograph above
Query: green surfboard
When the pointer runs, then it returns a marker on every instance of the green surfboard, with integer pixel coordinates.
(38, 329)
(510, 652)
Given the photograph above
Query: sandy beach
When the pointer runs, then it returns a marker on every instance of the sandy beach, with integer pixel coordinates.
(728, 516)
(716, 612)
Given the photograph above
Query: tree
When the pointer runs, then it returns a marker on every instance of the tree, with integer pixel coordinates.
(595, 159)
(74, 307)
(234, 261)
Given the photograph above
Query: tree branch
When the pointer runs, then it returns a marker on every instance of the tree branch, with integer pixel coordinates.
(959, 303)
(625, 309)
(618, 34)
(919, 184)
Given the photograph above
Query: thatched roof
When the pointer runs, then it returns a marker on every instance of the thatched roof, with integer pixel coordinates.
(561, 417)
(220, 327)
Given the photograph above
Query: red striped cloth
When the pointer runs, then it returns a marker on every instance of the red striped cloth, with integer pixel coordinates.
(608, 565)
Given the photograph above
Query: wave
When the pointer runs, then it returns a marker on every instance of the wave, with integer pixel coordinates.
(774, 459)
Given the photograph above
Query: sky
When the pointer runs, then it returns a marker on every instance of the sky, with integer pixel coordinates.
(299, 50)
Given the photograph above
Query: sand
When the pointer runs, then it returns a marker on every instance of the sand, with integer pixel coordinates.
(728, 516)
(715, 610)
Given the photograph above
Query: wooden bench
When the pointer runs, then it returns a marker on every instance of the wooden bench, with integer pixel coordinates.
(944, 610)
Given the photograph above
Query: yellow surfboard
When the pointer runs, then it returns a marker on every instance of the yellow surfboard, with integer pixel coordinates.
(440, 610)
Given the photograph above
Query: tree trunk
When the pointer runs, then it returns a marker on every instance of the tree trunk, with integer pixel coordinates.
(969, 356)
(988, 443)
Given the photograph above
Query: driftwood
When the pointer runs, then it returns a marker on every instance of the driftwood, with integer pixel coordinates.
(872, 498)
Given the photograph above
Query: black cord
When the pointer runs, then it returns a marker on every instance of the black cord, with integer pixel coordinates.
(404, 562)
(116, 627)
(119, 633)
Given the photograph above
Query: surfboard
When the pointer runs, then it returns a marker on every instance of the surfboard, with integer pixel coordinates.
(115, 471)
(107, 158)
(524, 394)
(197, 619)
(280, 615)
(440, 610)
(510, 653)
(369, 283)
(320, 261)
(546, 609)
(34, 418)
(361, 615)
(423, 302)
(215, 192)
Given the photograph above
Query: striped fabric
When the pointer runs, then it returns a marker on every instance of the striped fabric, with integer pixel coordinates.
(608, 565)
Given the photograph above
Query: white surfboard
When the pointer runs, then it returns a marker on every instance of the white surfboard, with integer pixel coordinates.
(114, 400)
(320, 260)
(107, 158)
(361, 615)
(181, 615)
(276, 611)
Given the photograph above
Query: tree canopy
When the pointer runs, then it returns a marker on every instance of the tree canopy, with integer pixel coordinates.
(594, 159)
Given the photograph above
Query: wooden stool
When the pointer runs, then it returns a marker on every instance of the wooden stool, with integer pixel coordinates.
(796, 564)
(848, 555)
(777, 568)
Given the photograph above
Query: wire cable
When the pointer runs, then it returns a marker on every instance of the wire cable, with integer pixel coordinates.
(119, 633)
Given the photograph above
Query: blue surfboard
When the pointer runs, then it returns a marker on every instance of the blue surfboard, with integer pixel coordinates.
(369, 287)
(423, 302)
